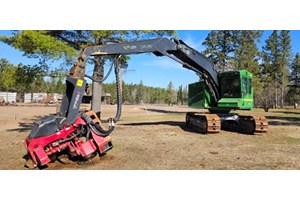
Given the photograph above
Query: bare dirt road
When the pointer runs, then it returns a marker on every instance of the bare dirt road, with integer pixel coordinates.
(155, 137)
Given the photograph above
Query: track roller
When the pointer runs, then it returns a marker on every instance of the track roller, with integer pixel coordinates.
(260, 123)
(249, 124)
(203, 123)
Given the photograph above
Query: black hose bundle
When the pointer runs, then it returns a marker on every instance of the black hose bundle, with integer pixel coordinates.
(96, 128)
(119, 92)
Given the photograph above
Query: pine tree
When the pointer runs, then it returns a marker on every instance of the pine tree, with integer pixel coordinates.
(285, 59)
(276, 58)
(219, 48)
(270, 55)
(170, 94)
(140, 93)
(295, 71)
(270, 68)
(293, 94)
(185, 95)
(246, 52)
(246, 55)
(180, 95)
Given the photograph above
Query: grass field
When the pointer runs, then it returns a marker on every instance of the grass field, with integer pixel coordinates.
(155, 137)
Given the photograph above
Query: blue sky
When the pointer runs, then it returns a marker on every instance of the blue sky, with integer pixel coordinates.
(152, 70)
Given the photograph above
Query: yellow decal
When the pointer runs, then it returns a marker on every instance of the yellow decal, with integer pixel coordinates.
(248, 100)
(79, 83)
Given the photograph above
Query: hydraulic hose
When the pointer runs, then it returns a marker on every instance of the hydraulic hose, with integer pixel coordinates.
(87, 133)
(106, 76)
(119, 92)
(108, 73)
(96, 128)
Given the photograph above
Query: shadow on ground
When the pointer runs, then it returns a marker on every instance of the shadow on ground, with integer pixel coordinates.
(26, 126)
(181, 125)
(164, 111)
(23, 127)
(283, 121)
(285, 112)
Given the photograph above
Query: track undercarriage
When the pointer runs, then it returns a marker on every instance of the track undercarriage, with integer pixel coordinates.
(213, 123)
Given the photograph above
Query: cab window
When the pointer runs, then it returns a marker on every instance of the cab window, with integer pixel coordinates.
(230, 87)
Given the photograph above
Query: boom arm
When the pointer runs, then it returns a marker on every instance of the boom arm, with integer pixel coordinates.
(174, 49)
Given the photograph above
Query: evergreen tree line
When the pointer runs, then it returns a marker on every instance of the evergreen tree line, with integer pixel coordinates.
(25, 78)
(139, 93)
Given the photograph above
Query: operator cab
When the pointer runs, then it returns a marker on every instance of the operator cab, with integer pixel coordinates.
(236, 90)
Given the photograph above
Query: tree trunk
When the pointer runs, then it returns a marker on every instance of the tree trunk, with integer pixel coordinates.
(121, 81)
(97, 87)
(282, 100)
(276, 94)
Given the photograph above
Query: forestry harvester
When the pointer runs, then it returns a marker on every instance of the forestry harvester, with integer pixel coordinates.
(81, 135)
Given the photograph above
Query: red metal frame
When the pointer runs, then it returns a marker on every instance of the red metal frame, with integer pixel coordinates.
(41, 148)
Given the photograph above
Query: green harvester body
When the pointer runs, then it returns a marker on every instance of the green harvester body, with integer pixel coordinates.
(236, 92)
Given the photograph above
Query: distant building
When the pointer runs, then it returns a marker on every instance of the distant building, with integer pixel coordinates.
(105, 98)
(8, 97)
(42, 98)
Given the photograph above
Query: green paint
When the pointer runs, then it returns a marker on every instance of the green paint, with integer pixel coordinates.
(236, 92)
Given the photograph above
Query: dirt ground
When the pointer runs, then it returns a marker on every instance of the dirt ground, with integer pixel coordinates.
(155, 137)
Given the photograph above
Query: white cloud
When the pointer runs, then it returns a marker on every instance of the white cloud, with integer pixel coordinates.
(190, 41)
